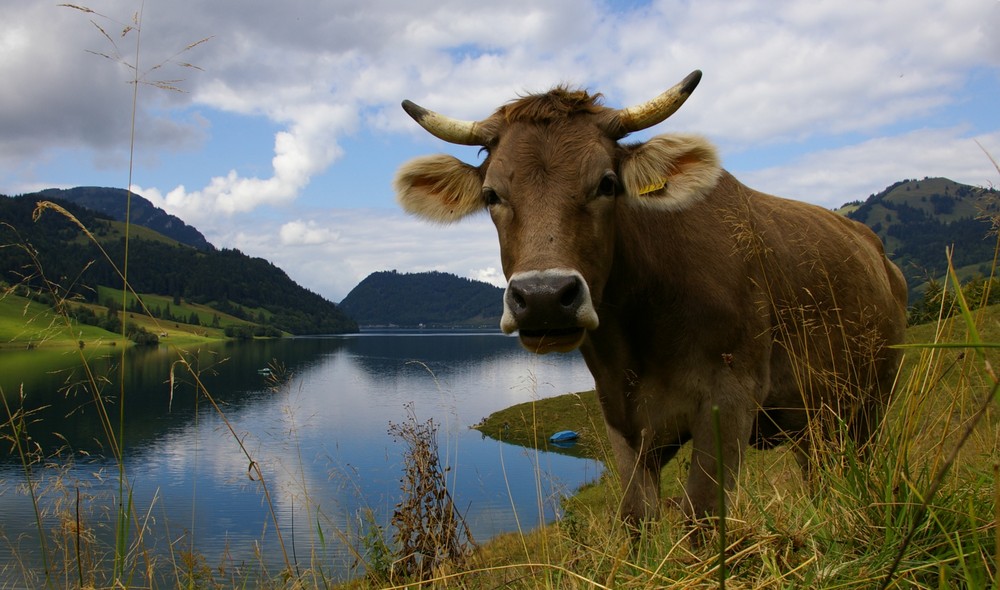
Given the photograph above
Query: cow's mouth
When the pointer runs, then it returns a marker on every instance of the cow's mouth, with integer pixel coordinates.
(557, 340)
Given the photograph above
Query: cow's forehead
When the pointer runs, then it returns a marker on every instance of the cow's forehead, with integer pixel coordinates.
(537, 151)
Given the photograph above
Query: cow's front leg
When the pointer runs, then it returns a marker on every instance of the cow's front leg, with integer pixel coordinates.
(702, 489)
(639, 471)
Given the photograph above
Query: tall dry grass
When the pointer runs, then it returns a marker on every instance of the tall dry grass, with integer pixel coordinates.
(919, 510)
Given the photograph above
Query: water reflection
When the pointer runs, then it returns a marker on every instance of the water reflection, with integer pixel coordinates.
(321, 439)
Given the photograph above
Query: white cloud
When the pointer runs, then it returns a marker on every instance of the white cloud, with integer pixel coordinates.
(814, 69)
(305, 149)
(772, 73)
(488, 275)
(61, 95)
(833, 177)
(306, 233)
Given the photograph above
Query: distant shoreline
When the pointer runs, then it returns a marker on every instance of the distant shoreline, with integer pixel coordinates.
(429, 330)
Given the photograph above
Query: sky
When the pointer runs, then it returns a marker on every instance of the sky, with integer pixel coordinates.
(275, 127)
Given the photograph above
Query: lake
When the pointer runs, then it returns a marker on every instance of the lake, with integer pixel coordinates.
(321, 440)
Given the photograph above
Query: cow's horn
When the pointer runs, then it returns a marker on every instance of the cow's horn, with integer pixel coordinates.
(647, 114)
(446, 128)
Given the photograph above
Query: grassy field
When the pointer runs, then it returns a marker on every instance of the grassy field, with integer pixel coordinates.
(25, 323)
(206, 315)
(28, 324)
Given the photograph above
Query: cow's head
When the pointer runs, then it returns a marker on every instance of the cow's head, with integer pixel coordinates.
(553, 176)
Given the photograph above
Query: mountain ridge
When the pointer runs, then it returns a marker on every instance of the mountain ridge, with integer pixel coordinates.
(114, 202)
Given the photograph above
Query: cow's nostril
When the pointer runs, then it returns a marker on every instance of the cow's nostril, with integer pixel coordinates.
(518, 298)
(570, 295)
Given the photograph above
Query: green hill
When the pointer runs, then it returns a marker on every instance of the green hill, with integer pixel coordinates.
(26, 324)
(54, 253)
(429, 299)
(918, 219)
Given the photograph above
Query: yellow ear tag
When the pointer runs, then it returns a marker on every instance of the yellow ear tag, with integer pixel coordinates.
(652, 188)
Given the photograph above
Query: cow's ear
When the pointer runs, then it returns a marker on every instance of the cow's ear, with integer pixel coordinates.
(670, 172)
(439, 188)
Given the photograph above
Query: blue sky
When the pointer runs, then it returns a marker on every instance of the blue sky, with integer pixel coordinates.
(284, 140)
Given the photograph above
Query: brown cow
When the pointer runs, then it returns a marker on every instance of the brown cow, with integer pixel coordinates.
(684, 289)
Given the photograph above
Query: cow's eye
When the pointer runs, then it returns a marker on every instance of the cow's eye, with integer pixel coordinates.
(608, 185)
(490, 197)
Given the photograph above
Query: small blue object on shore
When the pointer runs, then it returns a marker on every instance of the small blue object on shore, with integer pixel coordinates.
(564, 436)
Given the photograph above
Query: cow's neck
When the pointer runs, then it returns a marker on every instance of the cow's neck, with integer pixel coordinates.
(642, 285)
(652, 250)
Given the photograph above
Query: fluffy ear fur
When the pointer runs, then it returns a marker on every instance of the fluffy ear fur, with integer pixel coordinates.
(439, 188)
(670, 172)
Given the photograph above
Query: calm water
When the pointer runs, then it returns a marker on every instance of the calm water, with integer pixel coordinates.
(321, 441)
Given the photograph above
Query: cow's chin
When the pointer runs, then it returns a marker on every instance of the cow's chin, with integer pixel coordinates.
(546, 341)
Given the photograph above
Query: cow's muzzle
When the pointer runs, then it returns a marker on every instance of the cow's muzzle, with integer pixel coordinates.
(551, 310)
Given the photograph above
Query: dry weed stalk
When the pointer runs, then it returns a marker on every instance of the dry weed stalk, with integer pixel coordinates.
(430, 532)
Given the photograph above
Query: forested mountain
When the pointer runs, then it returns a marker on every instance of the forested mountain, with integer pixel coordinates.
(918, 219)
(54, 251)
(112, 202)
(389, 298)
